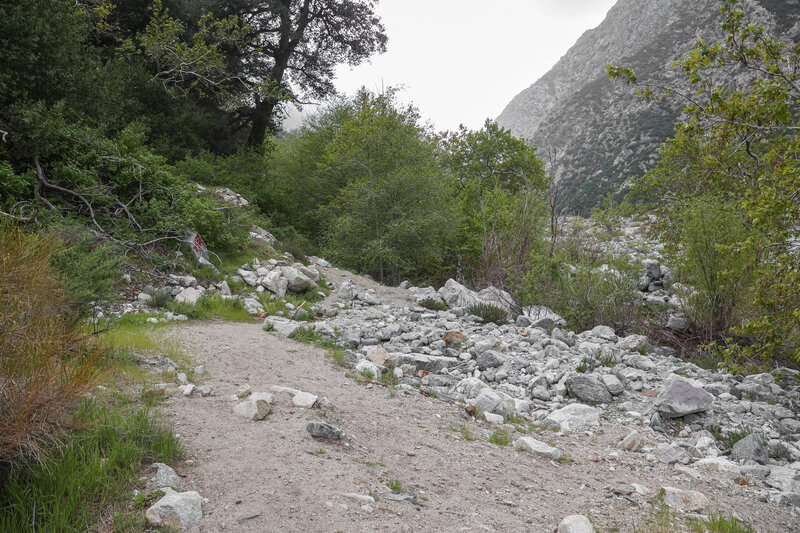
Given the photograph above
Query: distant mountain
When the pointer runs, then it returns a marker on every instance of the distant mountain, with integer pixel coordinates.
(601, 133)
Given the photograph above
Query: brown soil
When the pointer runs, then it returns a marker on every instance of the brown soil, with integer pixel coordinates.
(272, 475)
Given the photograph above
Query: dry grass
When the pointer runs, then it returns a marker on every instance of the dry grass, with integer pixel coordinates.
(45, 363)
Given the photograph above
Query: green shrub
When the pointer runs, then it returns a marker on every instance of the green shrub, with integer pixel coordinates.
(88, 267)
(585, 290)
(489, 313)
(434, 305)
(708, 260)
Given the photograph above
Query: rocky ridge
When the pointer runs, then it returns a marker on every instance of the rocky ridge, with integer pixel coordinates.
(601, 132)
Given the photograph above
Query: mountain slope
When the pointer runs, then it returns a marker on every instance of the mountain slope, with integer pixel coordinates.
(601, 133)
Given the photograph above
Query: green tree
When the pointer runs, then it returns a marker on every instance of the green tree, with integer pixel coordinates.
(390, 215)
(499, 186)
(740, 143)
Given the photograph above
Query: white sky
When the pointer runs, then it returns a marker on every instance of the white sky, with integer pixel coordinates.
(462, 61)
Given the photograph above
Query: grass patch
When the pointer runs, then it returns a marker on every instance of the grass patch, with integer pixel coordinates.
(212, 306)
(85, 477)
(719, 524)
(727, 440)
(311, 336)
(466, 433)
(395, 485)
(500, 438)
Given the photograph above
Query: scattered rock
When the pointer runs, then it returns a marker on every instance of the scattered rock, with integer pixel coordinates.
(575, 524)
(180, 510)
(538, 448)
(685, 501)
(682, 398)
(324, 430)
(252, 409)
(166, 477)
(631, 442)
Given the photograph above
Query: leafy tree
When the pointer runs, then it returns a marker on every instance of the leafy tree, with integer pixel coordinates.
(499, 184)
(390, 215)
(294, 47)
(740, 142)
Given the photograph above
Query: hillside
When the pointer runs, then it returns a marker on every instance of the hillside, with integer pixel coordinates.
(602, 134)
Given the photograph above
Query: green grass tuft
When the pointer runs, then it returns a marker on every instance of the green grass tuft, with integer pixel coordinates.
(86, 470)
(500, 437)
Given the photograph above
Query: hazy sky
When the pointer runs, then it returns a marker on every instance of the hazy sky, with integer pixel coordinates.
(462, 61)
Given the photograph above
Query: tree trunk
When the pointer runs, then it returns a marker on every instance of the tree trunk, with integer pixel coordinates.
(261, 122)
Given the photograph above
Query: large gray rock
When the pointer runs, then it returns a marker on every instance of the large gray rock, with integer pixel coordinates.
(179, 510)
(323, 430)
(750, 448)
(275, 283)
(784, 478)
(488, 400)
(249, 277)
(573, 416)
(456, 295)
(296, 280)
(587, 389)
(575, 524)
(252, 409)
(347, 291)
(189, 295)
(681, 398)
(491, 359)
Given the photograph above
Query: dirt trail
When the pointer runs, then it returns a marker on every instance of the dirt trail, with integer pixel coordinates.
(272, 476)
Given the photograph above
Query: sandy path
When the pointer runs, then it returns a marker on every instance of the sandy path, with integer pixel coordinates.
(272, 476)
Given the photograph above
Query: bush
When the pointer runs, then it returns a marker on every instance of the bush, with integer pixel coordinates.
(489, 313)
(88, 267)
(586, 291)
(720, 272)
(45, 363)
(434, 305)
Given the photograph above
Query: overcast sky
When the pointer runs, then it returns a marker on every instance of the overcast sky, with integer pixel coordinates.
(462, 61)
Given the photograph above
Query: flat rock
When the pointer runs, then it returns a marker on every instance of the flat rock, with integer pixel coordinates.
(631, 441)
(324, 430)
(396, 496)
(304, 399)
(179, 510)
(537, 447)
(281, 325)
(575, 524)
(682, 398)
(431, 363)
(685, 501)
(573, 416)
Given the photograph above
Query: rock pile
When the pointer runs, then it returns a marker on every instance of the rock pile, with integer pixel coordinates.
(578, 381)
